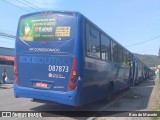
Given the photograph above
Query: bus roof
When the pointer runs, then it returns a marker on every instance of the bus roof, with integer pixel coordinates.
(77, 13)
(47, 12)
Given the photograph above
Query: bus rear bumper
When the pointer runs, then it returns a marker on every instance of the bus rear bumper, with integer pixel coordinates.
(68, 98)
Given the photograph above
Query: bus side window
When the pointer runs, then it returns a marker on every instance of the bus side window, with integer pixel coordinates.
(131, 59)
(92, 42)
(105, 48)
(120, 55)
(114, 52)
(125, 57)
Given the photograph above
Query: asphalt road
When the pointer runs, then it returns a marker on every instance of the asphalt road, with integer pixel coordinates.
(135, 99)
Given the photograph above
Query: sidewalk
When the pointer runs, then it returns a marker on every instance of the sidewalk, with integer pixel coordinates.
(8, 81)
(142, 97)
(7, 85)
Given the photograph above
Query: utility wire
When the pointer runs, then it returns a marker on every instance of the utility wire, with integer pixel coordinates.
(5, 39)
(37, 2)
(33, 5)
(143, 42)
(7, 31)
(26, 4)
(15, 6)
(2, 34)
(7, 35)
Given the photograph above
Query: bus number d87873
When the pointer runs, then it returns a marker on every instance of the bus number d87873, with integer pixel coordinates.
(57, 68)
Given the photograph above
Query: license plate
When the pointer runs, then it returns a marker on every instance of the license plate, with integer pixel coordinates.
(41, 84)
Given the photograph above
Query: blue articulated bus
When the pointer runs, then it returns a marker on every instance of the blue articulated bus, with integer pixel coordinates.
(63, 57)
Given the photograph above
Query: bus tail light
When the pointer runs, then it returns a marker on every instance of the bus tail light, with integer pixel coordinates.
(15, 71)
(72, 82)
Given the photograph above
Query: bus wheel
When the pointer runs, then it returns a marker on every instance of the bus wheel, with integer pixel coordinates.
(110, 92)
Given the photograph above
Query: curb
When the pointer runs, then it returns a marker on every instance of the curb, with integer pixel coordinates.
(6, 86)
(7, 82)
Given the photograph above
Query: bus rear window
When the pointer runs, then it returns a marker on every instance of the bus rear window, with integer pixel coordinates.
(46, 27)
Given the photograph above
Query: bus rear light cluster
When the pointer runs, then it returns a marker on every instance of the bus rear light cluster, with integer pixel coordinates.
(74, 72)
(15, 71)
(72, 82)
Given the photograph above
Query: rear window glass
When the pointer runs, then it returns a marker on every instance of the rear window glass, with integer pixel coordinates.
(46, 27)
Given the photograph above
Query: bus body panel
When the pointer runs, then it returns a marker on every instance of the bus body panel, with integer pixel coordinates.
(136, 70)
(45, 66)
(93, 76)
(139, 71)
(97, 74)
(37, 63)
(52, 58)
(69, 98)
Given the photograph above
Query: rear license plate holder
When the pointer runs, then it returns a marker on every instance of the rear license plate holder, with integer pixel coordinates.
(42, 84)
